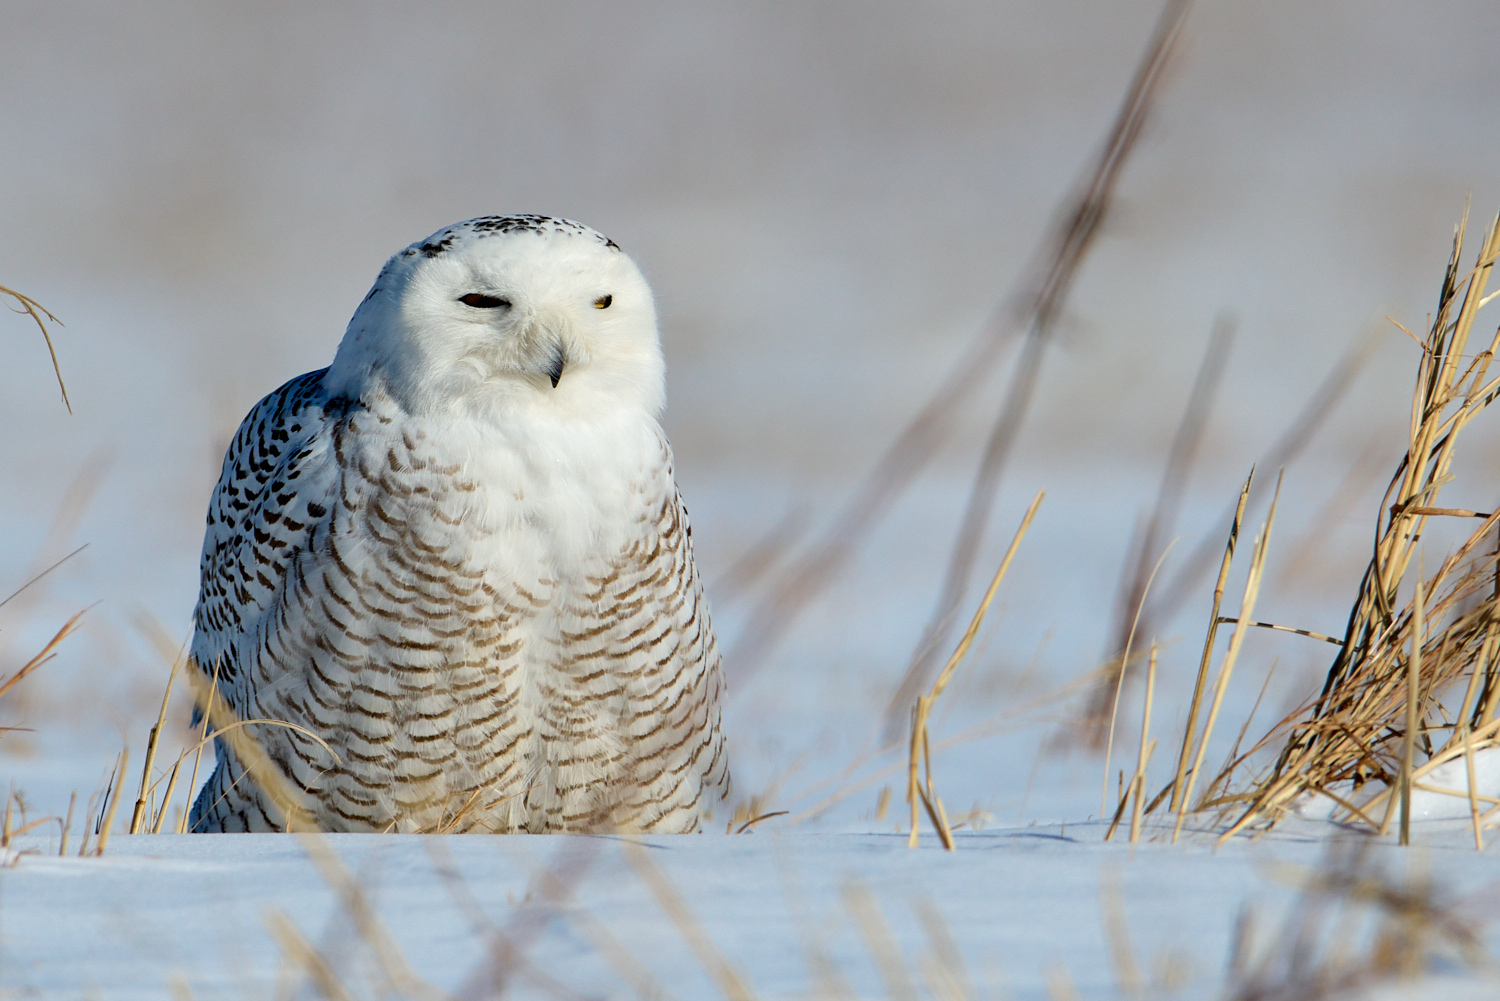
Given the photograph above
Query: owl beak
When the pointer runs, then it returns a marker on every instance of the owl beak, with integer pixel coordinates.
(557, 360)
(549, 338)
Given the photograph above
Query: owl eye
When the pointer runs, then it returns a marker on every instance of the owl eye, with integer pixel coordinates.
(603, 301)
(481, 301)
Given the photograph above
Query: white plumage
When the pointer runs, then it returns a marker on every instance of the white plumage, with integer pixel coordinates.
(458, 556)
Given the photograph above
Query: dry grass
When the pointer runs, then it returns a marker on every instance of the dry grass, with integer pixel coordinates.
(63, 523)
(1150, 542)
(1355, 927)
(920, 751)
(1065, 258)
(1043, 295)
(28, 306)
(14, 799)
(1185, 580)
(1416, 682)
(108, 802)
(47, 653)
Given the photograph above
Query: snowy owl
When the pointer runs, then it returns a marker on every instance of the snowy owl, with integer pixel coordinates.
(457, 560)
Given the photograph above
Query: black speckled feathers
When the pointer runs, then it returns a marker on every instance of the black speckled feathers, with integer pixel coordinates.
(505, 224)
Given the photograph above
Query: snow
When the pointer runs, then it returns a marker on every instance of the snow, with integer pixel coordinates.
(1023, 905)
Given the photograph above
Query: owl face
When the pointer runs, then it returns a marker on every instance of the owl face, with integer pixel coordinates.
(508, 311)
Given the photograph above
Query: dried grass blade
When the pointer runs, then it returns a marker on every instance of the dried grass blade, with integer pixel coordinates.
(725, 976)
(1294, 439)
(1147, 746)
(1122, 961)
(1119, 673)
(397, 971)
(1236, 641)
(1151, 538)
(1076, 239)
(117, 784)
(213, 686)
(47, 652)
(944, 948)
(938, 818)
(137, 816)
(305, 955)
(1473, 792)
(919, 745)
(166, 799)
(878, 940)
(1230, 620)
(40, 574)
(1208, 643)
(1413, 682)
(1063, 250)
(970, 633)
(36, 310)
(284, 796)
(62, 849)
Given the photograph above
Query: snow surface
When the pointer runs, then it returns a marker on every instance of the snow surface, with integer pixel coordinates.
(1023, 905)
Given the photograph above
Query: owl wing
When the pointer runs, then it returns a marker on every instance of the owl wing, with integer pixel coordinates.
(275, 492)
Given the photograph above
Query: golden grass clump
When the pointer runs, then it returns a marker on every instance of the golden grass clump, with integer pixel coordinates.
(1415, 683)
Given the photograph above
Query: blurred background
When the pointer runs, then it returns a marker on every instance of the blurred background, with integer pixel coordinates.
(829, 200)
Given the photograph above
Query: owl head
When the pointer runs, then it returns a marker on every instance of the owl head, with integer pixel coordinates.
(501, 312)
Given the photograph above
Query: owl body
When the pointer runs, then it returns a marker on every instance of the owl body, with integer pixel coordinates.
(464, 576)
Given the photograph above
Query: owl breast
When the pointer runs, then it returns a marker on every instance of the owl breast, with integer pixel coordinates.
(491, 629)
